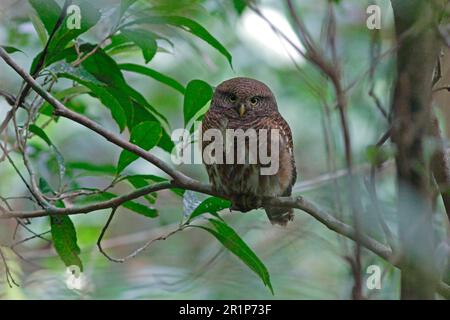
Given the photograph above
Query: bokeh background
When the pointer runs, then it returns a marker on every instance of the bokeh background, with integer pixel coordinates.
(305, 259)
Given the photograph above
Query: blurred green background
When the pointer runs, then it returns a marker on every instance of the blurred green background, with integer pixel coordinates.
(305, 259)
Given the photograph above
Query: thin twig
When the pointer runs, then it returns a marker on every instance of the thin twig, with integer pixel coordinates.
(137, 251)
(9, 276)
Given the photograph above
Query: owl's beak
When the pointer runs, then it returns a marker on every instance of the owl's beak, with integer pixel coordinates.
(242, 110)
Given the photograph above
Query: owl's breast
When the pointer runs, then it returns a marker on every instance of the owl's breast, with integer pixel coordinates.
(235, 179)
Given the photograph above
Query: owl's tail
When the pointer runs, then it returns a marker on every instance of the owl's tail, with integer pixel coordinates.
(280, 216)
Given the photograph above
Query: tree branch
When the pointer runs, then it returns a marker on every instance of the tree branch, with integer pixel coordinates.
(115, 202)
(62, 110)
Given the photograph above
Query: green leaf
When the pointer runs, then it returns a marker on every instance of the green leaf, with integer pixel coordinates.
(377, 155)
(130, 205)
(178, 191)
(139, 113)
(141, 209)
(231, 240)
(39, 27)
(139, 99)
(100, 65)
(153, 74)
(40, 133)
(64, 69)
(166, 142)
(187, 25)
(150, 177)
(211, 205)
(59, 158)
(88, 166)
(109, 101)
(239, 5)
(120, 43)
(197, 94)
(10, 49)
(64, 238)
(44, 186)
(143, 40)
(145, 135)
(138, 181)
(47, 108)
(125, 5)
(117, 41)
(84, 78)
(48, 11)
(89, 18)
(106, 70)
(136, 108)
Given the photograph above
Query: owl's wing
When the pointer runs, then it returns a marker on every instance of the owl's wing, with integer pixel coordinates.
(278, 122)
(211, 120)
(207, 123)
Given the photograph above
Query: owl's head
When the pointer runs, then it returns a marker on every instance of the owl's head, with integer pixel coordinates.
(244, 98)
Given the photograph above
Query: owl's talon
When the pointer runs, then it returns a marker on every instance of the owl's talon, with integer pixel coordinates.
(245, 203)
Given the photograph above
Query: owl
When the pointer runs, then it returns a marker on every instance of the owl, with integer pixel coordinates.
(244, 103)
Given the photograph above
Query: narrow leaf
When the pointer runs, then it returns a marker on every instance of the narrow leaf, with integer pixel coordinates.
(10, 49)
(145, 135)
(59, 158)
(153, 74)
(143, 40)
(125, 5)
(211, 205)
(106, 70)
(130, 205)
(88, 166)
(84, 78)
(40, 133)
(65, 241)
(141, 209)
(39, 27)
(48, 11)
(137, 180)
(240, 5)
(89, 16)
(187, 25)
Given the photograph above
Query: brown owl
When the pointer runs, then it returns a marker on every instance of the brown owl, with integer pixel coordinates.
(243, 103)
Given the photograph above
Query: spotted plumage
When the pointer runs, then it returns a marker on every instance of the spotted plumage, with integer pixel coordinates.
(243, 103)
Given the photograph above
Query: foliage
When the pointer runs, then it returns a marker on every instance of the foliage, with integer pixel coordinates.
(93, 70)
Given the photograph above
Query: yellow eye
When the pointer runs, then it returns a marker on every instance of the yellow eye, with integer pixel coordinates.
(232, 98)
(254, 100)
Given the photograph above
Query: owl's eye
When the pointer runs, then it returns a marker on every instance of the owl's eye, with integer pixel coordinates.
(232, 98)
(254, 101)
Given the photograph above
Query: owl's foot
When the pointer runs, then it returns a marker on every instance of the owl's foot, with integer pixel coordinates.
(279, 216)
(245, 203)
